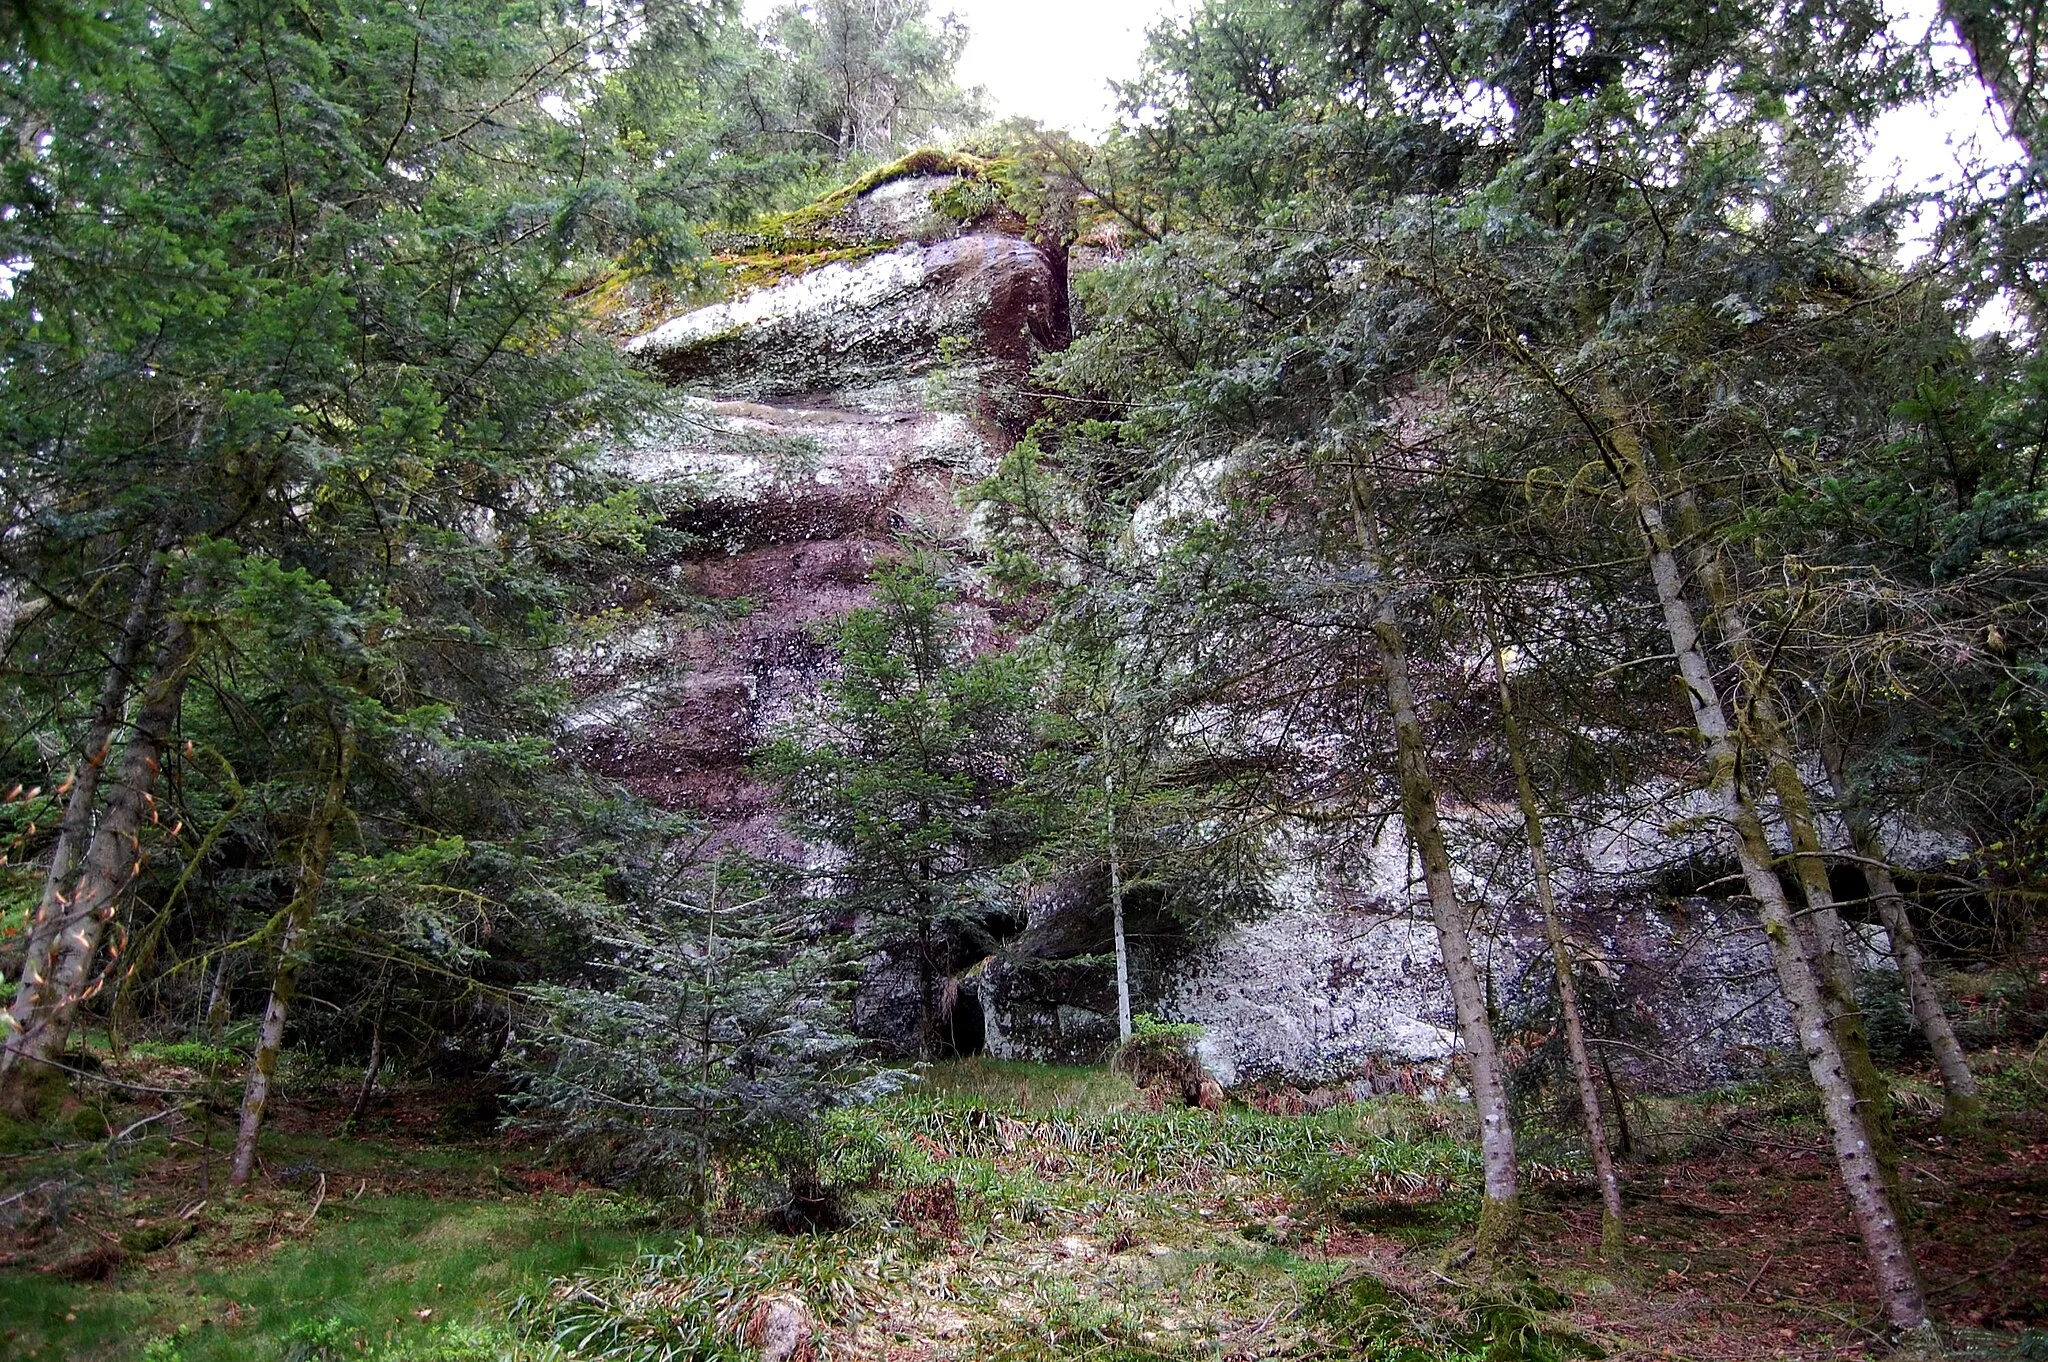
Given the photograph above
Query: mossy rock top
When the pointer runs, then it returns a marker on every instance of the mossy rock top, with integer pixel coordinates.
(926, 196)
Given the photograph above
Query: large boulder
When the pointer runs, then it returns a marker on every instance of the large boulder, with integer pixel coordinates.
(866, 330)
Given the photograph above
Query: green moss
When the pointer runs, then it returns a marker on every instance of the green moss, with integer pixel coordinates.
(150, 1238)
(20, 1137)
(745, 273)
(1613, 1238)
(807, 229)
(923, 161)
(1499, 1236)
(990, 194)
(782, 246)
(89, 1122)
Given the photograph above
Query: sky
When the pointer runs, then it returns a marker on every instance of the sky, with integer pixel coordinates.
(1053, 60)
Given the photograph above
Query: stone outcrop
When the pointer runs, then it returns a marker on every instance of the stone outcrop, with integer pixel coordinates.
(833, 413)
(835, 409)
(830, 414)
(1340, 984)
(869, 328)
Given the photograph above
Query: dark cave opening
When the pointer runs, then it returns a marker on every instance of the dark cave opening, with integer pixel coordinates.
(966, 1028)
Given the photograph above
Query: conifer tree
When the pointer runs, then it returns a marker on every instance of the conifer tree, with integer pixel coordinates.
(710, 1021)
(906, 780)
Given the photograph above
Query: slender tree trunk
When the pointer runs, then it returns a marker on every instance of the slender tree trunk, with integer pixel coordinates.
(374, 1067)
(1767, 732)
(1500, 1210)
(926, 974)
(1963, 1106)
(376, 1061)
(112, 861)
(1116, 908)
(218, 1001)
(1871, 1204)
(701, 1190)
(1625, 1141)
(53, 913)
(314, 857)
(1612, 1239)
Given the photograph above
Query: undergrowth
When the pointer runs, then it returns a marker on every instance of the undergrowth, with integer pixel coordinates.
(1107, 1233)
(690, 1304)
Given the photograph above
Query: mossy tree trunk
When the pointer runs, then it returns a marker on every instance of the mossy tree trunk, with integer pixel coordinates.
(1765, 732)
(316, 853)
(112, 861)
(53, 910)
(1871, 1201)
(1500, 1206)
(1612, 1238)
(1963, 1106)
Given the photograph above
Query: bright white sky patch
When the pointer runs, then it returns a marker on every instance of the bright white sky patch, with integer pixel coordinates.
(1051, 60)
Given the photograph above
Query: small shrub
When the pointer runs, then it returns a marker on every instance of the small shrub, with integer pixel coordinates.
(322, 1340)
(1887, 1017)
(1160, 1057)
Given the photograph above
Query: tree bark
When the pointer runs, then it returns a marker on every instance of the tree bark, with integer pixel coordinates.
(314, 857)
(700, 1186)
(1612, 1238)
(1116, 908)
(53, 915)
(1766, 732)
(1871, 1203)
(375, 1065)
(926, 980)
(112, 861)
(1500, 1209)
(1962, 1104)
(370, 1072)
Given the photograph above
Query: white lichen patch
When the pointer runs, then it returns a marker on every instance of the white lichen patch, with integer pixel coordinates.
(1308, 994)
(844, 287)
(739, 452)
(1192, 494)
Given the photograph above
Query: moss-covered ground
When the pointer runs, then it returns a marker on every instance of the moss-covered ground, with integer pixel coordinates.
(1009, 1212)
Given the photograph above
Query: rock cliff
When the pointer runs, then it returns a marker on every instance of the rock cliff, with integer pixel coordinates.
(834, 410)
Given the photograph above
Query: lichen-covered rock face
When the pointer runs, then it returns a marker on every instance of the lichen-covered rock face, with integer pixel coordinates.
(831, 416)
(902, 209)
(860, 329)
(1341, 986)
(835, 414)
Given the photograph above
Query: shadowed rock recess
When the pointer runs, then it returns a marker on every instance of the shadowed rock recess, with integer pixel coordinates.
(834, 410)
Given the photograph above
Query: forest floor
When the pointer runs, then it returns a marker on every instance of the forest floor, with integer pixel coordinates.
(1005, 1212)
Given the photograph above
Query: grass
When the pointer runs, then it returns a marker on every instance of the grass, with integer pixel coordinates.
(414, 1277)
(1010, 1212)
(1032, 1088)
(1088, 1226)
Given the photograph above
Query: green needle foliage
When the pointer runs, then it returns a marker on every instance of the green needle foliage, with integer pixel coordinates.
(910, 776)
(711, 1026)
